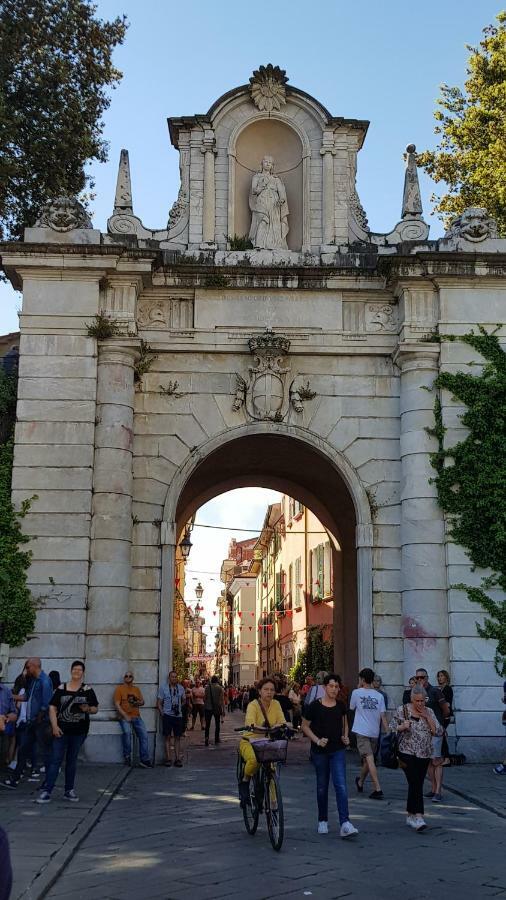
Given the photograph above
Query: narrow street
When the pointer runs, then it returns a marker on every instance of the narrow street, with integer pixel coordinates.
(173, 834)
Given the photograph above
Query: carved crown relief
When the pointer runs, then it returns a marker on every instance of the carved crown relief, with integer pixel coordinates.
(267, 88)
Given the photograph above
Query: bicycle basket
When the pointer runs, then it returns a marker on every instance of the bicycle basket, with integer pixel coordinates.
(270, 751)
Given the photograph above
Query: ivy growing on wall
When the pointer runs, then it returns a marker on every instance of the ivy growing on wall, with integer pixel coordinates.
(17, 609)
(471, 479)
(317, 656)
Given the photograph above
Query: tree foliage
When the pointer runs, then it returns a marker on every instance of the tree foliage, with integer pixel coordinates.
(471, 479)
(55, 70)
(471, 123)
(17, 608)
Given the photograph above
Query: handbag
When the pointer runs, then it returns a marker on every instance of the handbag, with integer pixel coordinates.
(389, 748)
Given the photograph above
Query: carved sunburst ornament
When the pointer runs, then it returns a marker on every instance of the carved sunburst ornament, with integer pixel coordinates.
(268, 90)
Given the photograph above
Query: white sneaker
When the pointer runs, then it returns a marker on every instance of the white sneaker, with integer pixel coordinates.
(323, 828)
(45, 797)
(420, 823)
(72, 796)
(348, 830)
(411, 821)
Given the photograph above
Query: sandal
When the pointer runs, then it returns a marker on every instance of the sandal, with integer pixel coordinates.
(360, 787)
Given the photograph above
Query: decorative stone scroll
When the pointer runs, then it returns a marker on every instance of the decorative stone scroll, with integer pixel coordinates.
(173, 313)
(381, 317)
(64, 214)
(267, 89)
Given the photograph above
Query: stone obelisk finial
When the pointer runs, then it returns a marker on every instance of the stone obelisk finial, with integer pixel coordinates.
(123, 198)
(411, 198)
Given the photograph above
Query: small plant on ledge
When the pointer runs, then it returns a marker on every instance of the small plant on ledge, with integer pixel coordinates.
(102, 328)
(171, 390)
(145, 361)
(215, 281)
(239, 242)
(305, 392)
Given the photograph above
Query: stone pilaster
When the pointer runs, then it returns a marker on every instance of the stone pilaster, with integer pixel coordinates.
(423, 570)
(208, 215)
(107, 644)
(328, 200)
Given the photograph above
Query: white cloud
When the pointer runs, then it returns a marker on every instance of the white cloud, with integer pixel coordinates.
(243, 508)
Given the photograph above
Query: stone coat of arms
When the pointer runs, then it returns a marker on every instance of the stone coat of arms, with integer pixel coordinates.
(265, 393)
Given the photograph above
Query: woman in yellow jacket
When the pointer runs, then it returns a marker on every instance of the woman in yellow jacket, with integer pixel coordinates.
(256, 718)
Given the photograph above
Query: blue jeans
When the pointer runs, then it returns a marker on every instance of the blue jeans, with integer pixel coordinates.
(142, 736)
(71, 745)
(327, 764)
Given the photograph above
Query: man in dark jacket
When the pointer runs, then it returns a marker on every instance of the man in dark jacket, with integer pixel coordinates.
(214, 707)
(37, 731)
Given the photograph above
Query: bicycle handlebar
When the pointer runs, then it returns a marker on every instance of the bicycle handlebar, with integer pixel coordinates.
(286, 727)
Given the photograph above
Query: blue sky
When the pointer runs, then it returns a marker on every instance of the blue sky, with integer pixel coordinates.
(367, 60)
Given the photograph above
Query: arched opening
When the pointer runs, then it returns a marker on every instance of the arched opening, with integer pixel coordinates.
(271, 457)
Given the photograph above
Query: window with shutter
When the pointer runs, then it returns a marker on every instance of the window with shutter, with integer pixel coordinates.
(298, 582)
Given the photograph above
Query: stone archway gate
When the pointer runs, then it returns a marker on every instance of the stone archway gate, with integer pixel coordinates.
(327, 341)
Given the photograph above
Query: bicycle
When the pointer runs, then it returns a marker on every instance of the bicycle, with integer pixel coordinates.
(264, 787)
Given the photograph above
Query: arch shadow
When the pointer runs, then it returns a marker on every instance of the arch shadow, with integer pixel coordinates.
(298, 463)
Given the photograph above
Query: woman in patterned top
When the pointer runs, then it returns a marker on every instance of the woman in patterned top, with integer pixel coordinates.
(417, 725)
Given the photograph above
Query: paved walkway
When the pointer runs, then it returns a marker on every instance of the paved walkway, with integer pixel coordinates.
(178, 835)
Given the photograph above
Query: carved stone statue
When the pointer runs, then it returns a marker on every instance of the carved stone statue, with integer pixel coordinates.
(269, 209)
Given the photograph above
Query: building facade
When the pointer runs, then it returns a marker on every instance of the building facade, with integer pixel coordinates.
(266, 336)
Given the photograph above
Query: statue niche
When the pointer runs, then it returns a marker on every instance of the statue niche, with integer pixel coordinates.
(267, 203)
(269, 209)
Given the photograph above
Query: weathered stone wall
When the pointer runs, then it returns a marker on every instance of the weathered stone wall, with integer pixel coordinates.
(103, 454)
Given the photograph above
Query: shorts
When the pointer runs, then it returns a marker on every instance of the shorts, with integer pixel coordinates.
(172, 725)
(437, 747)
(366, 746)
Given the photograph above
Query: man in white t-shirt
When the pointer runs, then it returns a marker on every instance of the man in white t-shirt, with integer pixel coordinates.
(369, 706)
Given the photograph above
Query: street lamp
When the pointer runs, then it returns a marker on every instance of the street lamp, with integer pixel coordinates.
(199, 590)
(185, 546)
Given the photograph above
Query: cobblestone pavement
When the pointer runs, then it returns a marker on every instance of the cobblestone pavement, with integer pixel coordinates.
(178, 835)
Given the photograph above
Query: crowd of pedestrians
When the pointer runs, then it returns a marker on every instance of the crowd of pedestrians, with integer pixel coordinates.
(44, 721)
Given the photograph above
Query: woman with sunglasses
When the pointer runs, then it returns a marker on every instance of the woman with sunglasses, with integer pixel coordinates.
(416, 725)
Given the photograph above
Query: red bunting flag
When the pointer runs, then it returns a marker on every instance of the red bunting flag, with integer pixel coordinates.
(239, 613)
(250, 627)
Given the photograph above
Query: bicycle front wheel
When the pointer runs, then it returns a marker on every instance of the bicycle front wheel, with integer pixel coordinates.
(250, 810)
(274, 810)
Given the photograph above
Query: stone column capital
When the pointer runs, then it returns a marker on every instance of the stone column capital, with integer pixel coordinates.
(208, 146)
(364, 535)
(112, 352)
(412, 355)
(325, 149)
